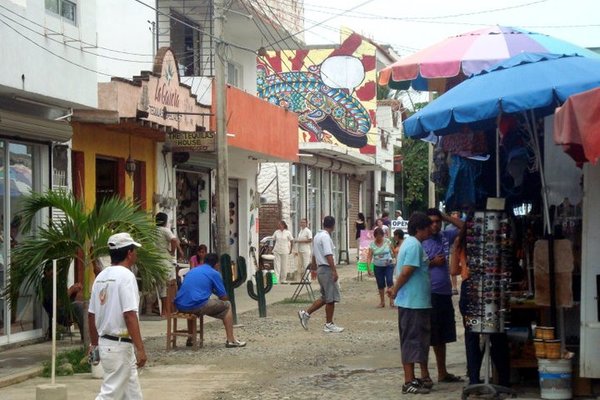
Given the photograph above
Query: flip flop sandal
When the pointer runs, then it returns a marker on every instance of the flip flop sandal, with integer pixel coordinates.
(451, 378)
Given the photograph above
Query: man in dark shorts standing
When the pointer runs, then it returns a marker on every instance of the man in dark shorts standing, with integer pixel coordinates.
(443, 325)
(412, 294)
(194, 296)
(322, 259)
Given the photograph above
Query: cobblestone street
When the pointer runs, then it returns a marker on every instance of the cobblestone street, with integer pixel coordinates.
(282, 360)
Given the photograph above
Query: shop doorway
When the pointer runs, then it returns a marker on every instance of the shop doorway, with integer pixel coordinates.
(193, 210)
(234, 237)
(107, 181)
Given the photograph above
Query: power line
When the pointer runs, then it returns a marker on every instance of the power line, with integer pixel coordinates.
(195, 27)
(277, 73)
(71, 46)
(91, 45)
(324, 21)
(54, 54)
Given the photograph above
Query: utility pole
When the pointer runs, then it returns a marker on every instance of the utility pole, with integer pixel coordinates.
(222, 156)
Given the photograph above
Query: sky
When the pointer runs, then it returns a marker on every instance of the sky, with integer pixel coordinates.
(413, 25)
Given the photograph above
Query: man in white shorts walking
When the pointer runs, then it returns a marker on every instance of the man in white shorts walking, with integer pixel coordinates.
(323, 250)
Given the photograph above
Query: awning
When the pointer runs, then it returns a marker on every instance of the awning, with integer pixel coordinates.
(577, 126)
(15, 124)
(361, 162)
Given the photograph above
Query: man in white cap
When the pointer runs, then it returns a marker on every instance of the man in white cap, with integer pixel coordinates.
(113, 321)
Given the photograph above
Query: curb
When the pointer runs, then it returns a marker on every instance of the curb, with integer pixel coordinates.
(20, 376)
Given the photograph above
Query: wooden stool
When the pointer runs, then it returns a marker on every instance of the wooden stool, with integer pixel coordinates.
(197, 333)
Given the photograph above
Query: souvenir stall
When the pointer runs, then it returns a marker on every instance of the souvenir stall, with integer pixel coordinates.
(543, 207)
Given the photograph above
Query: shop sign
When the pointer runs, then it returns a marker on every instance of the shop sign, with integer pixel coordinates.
(167, 102)
(199, 141)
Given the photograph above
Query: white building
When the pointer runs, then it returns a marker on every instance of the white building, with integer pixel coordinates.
(47, 69)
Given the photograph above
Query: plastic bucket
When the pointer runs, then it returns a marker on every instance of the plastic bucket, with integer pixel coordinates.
(555, 379)
(97, 371)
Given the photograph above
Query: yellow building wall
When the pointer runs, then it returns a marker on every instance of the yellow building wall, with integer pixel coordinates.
(95, 140)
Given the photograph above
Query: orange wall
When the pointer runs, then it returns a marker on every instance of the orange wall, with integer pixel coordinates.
(96, 140)
(260, 126)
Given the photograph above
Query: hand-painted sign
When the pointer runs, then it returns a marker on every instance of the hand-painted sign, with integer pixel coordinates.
(167, 102)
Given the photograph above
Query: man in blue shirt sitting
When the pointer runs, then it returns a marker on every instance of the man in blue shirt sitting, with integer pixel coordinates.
(194, 296)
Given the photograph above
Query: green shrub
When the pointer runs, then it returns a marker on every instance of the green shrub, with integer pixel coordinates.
(76, 357)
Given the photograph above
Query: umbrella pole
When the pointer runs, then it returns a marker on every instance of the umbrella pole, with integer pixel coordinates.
(498, 158)
(532, 128)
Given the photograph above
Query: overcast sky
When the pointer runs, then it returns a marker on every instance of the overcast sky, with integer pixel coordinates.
(577, 21)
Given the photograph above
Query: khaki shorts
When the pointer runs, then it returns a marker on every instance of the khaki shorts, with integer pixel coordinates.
(330, 290)
(215, 308)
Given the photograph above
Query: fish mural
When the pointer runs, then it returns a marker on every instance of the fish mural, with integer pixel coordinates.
(333, 91)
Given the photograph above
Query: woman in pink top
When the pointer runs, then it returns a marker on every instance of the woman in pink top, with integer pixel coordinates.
(198, 258)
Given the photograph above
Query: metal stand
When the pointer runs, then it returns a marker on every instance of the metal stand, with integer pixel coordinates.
(304, 283)
(487, 388)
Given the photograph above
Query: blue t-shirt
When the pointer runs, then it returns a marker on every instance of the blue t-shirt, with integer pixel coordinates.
(197, 287)
(416, 292)
(440, 275)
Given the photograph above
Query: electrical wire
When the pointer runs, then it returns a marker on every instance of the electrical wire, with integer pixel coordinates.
(92, 45)
(324, 21)
(196, 28)
(266, 63)
(387, 17)
(54, 54)
(71, 46)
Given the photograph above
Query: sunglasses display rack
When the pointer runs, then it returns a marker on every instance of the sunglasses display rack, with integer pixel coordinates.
(488, 255)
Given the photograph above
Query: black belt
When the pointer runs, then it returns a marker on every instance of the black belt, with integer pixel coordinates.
(117, 338)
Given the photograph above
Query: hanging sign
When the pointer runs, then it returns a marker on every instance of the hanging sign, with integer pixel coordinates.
(199, 141)
(166, 101)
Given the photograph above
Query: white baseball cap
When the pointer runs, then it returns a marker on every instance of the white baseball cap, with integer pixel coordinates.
(120, 240)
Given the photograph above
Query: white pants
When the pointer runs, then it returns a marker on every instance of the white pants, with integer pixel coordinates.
(120, 371)
(303, 261)
(281, 266)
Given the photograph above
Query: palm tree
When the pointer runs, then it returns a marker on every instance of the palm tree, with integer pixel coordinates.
(81, 235)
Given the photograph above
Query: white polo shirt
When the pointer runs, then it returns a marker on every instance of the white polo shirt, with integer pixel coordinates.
(114, 292)
(323, 247)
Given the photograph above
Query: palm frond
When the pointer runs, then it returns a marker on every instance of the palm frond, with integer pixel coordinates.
(80, 233)
(62, 200)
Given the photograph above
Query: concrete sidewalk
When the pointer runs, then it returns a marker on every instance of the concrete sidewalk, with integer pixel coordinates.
(24, 362)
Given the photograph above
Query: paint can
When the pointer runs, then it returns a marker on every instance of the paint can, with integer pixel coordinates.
(555, 379)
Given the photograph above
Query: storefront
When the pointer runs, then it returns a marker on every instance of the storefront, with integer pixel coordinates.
(129, 147)
(29, 148)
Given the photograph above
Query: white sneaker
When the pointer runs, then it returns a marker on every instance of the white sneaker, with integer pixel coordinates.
(332, 328)
(304, 318)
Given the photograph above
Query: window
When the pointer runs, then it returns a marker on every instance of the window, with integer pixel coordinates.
(234, 74)
(186, 42)
(65, 8)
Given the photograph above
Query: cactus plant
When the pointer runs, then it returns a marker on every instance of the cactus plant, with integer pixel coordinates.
(261, 291)
(230, 283)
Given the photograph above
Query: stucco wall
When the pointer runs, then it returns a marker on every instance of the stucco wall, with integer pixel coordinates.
(268, 172)
(95, 140)
(45, 64)
(124, 26)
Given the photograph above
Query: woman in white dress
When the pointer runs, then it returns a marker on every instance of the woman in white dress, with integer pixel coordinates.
(281, 251)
